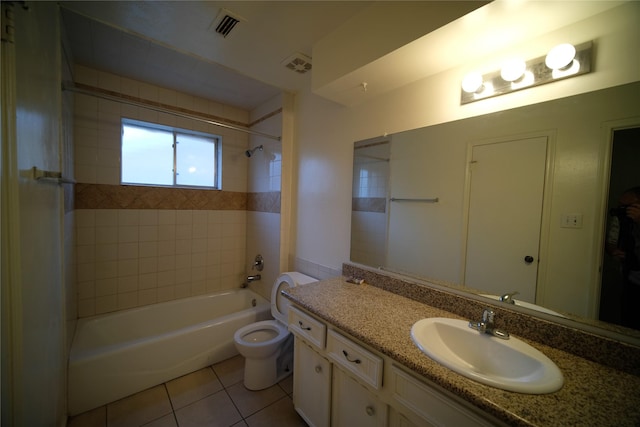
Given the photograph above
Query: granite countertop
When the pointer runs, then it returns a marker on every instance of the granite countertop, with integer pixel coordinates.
(592, 394)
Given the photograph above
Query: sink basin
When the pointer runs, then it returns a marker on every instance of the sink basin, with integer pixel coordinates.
(528, 305)
(506, 364)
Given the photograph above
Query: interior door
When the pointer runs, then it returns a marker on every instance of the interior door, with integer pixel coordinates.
(505, 215)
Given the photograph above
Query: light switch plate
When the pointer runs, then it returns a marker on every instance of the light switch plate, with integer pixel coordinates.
(571, 221)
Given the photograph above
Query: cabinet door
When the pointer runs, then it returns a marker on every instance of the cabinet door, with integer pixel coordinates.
(311, 385)
(353, 405)
(397, 419)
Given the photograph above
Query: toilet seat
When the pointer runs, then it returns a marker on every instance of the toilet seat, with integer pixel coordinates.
(281, 332)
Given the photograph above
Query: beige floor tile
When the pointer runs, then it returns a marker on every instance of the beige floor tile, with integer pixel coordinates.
(240, 424)
(287, 384)
(281, 414)
(192, 387)
(230, 371)
(249, 402)
(140, 408)
(94, 418)
(212, 411)
(166, 421)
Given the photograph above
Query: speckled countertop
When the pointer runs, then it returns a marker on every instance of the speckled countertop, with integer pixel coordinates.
(592, 395)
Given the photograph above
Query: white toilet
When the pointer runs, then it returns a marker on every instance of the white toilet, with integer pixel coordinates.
(267, 346)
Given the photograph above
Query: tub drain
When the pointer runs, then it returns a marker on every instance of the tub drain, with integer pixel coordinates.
(253, 302)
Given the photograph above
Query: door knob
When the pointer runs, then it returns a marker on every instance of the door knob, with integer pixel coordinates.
(528, 259)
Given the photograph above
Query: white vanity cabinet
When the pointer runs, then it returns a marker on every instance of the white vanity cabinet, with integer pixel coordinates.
(353, 405)
(311, 385)
(339, 382)
(425, 406)
(311, 370)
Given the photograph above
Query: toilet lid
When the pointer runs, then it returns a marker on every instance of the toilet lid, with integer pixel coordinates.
(280, 310)
(279, 303)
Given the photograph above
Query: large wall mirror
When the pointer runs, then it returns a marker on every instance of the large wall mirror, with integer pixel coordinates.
(513, 201)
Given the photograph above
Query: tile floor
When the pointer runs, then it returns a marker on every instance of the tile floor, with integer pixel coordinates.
(213, 396)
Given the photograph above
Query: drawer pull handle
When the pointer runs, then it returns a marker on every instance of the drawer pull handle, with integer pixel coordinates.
(318, 369)
(370, 411)
(308, 328)
(346, 355)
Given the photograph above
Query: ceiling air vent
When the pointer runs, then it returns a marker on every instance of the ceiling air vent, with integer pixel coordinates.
(225, 22)
(298, 62)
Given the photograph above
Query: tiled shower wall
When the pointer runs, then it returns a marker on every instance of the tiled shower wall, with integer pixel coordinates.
(131, 257)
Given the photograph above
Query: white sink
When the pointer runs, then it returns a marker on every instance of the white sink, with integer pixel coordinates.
(506, 364)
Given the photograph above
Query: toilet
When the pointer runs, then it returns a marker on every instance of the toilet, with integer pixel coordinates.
(267, 346)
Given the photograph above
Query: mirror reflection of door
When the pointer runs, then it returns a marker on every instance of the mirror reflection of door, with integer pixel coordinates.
(505, 215)
(624, 175)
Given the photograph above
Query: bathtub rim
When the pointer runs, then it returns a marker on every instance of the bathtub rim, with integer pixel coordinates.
(76, 355)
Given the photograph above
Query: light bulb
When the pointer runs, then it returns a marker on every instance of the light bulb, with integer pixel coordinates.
(513, 69)
(560, 56)
(567, 70)
(527, 80)
(472, 82)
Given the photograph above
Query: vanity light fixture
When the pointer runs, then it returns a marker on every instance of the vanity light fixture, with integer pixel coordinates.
(563, 61)
(560, 56)
(472, 82)
(513, 69)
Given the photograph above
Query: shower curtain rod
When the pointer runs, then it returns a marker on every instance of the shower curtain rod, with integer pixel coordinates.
(73, 88)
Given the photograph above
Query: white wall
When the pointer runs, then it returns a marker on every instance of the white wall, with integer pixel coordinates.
(326, 131)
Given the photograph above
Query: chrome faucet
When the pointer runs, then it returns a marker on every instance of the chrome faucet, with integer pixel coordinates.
(258, 263)
(487, 326)
(253, 278)
(508, 298)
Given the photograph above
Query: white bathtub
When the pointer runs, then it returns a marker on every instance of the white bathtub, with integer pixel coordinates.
(118, 354)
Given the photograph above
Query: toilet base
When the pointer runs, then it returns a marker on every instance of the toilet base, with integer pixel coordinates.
(263, 373)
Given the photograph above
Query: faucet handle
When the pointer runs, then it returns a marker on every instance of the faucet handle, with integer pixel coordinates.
(508, 297)
(258, 263)
(487, 316)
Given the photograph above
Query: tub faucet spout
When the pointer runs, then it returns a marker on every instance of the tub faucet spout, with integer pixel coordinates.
(253, 278)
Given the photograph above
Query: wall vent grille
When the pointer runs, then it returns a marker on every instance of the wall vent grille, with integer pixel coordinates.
(225, 22)
(226, 25)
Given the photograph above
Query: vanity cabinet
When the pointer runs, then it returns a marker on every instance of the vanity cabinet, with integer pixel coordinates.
(339, 382)
(353, 405)
(424, 405)
(312, 385)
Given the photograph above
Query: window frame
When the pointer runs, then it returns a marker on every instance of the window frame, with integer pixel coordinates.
(175, 131)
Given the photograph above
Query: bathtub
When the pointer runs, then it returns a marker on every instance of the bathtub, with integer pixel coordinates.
(118, 354)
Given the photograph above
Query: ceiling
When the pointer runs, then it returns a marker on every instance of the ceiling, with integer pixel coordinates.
(171, 44)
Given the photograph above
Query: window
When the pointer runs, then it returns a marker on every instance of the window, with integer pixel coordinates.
(164, 156)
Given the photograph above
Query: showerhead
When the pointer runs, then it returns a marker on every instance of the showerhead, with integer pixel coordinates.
(249, 153)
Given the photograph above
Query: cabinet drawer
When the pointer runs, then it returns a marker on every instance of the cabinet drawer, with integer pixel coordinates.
(430, 404)
(355, 359)
(307, 328)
